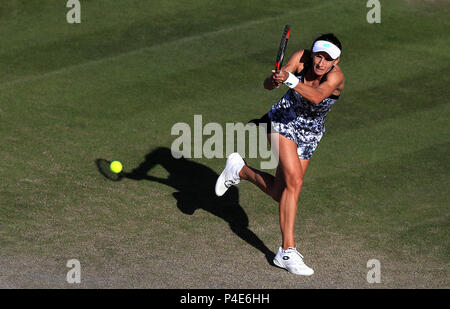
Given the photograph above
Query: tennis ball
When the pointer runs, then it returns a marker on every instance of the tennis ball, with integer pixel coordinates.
(116, 167)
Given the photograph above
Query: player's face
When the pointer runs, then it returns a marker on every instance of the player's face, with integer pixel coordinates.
(322, 62)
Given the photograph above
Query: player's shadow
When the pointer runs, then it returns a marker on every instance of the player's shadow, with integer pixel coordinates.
(195, 184)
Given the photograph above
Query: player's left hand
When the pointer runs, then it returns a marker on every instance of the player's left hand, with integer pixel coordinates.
(279, 77)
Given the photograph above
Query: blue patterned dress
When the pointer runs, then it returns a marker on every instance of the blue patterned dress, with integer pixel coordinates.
(300, 120)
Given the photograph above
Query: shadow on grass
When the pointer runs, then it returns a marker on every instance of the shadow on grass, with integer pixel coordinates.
(195, 184)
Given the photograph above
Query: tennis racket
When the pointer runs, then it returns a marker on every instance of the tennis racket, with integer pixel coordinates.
(282, 48)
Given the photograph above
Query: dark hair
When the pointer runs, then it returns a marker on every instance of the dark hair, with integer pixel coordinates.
(329, 37)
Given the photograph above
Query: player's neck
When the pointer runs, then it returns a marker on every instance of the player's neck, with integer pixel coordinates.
(311, 76)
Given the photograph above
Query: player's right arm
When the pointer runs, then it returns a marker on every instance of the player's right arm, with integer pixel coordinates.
(292, 66)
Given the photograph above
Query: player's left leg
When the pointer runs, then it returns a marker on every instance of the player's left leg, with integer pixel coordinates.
(304, 163)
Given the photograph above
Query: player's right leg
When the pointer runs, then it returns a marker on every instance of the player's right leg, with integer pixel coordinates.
(269, 184)
(265, 181)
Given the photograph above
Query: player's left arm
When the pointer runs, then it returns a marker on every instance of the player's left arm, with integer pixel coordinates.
(324, 90)
(316, 95)
(292, 66)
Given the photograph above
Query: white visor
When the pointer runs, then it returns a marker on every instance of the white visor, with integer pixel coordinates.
(327, 47)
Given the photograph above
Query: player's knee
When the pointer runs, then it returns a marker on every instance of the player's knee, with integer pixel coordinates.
(294, 182)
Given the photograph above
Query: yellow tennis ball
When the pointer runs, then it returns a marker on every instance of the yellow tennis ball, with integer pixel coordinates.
(116, 167)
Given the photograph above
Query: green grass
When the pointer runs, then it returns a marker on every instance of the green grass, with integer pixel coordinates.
(113, 86)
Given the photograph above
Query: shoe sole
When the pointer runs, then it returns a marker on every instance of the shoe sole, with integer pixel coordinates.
(221, 178)
(279, 264)
(220, 182)
(275, 261)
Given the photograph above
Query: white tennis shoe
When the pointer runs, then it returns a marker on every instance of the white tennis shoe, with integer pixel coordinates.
(230, 175)
(291, 260)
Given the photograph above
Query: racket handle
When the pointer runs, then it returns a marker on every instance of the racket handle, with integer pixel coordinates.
(277, 67)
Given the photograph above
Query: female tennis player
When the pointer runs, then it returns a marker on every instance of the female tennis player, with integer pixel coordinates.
(297, 122)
